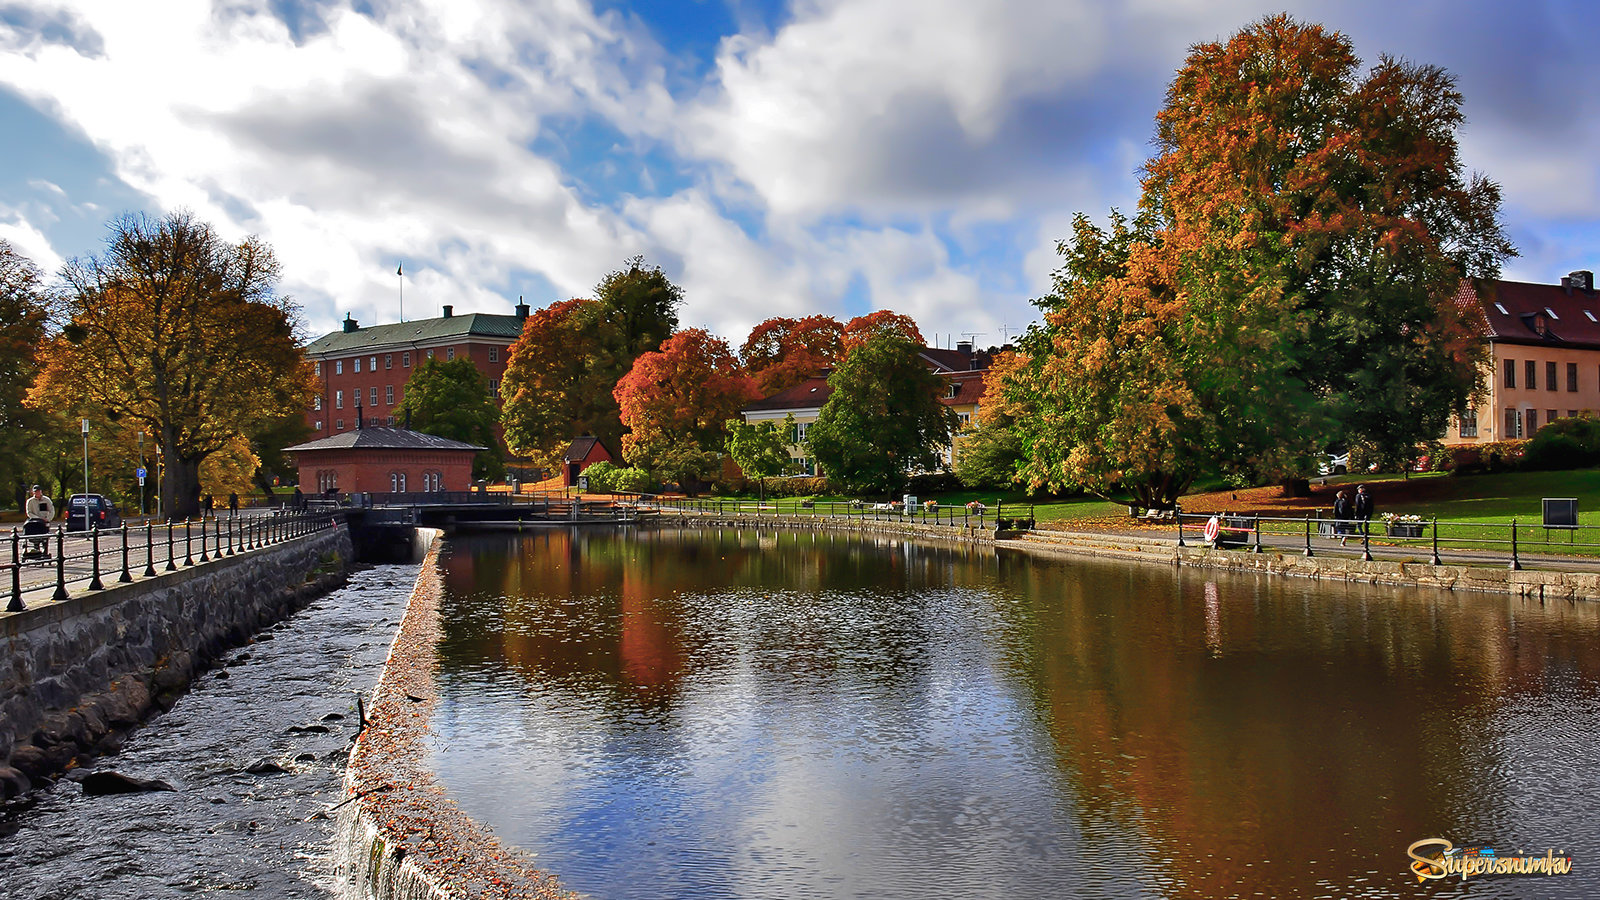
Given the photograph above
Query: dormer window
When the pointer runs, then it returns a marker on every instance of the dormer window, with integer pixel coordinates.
(1551, 313)
(952, 392)
(1591, 316)
(1502, 309)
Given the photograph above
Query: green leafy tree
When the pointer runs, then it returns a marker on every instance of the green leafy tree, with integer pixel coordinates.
(1290, 277)
(642, 306)
(883, 419)
(761, 449)
(451, 399)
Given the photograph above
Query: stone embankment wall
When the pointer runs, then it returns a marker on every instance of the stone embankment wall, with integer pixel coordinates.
(1551, 585)
(77, 674)
(401, 838)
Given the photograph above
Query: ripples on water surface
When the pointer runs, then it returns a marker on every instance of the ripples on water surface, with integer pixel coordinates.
(223, 833)
(675, 714)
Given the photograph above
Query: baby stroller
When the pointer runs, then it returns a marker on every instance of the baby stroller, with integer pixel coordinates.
(36, 539)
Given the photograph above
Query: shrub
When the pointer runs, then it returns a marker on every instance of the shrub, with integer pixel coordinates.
(933, 483)
(1565, 444)
(608, 478)
(1495, 456)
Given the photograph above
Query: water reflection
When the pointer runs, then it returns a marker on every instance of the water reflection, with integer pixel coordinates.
(686, 714)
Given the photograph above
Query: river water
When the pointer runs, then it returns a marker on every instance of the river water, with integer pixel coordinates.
(727, 714)
(287, 698)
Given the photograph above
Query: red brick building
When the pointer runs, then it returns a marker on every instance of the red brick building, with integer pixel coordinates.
(582, 453)
(367, 368)
(384, 460)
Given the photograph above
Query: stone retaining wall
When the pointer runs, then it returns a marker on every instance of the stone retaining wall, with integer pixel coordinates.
(858, 524)
(78, 673)
(401, 838)
(1477, 579)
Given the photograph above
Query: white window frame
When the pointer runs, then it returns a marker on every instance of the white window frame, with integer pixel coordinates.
(494, 354)
(338, 399)
(338, 367)
(358, 365)
(388, 394)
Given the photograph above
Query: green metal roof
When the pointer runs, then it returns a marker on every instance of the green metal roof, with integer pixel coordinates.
(416, 332)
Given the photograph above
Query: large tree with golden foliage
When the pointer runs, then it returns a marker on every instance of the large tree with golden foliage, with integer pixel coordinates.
(1287, 283)
(22, 317)
(181, 333)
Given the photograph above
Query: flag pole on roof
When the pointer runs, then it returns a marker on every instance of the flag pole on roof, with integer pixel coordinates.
(400, 271)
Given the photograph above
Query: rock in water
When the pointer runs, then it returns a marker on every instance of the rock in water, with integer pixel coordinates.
(97, 784)
(265, 767)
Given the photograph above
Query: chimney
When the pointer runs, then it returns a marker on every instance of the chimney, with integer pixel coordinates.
(349, 324)
(522, 308)
(964, 348)
(449, 310)
(1583, 280)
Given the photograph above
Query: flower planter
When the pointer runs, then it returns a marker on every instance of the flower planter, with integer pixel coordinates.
(1406, 529)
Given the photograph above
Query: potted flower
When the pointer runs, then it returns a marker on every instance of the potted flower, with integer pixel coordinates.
(930, 505)
(975, 507)
(1403, 526)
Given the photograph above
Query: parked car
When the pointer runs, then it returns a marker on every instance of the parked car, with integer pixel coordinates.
(1331, 464)
(84, 510)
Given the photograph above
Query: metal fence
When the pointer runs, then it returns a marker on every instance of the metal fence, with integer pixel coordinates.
(48, 563)
(1440, 541)
(967, 517)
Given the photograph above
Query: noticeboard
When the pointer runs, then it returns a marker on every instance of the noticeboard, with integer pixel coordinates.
(1560, 512)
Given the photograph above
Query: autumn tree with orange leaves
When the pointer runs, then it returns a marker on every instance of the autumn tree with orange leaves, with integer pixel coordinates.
(676, 403)
(1286, 283)
(182, 334)
(782, 352)
(558, 382)
(859, 330)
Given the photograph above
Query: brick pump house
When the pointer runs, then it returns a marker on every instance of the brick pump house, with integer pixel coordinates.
(1544, 357)
(367, 368)
(384, 460)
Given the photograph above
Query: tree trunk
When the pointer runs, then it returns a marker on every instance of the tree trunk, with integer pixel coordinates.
(180, 488)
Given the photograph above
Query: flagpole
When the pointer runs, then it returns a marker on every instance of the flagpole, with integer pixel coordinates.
(400, 270)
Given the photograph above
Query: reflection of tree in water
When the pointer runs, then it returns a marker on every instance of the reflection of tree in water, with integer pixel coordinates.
(1299, 734)
(624, 619)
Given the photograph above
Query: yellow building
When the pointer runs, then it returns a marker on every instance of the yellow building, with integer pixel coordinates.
(1544, 357)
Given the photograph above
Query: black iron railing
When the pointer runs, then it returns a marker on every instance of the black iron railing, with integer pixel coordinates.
(54, 561)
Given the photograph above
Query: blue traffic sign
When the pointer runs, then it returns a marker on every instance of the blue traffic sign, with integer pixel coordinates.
(139, 472)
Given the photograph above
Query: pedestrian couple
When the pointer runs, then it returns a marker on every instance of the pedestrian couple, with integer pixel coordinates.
(1347, 511)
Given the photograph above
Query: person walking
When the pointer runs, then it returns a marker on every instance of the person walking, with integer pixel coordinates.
(1343, 512)
(39, 511)
(1362, 507)
(233, 502)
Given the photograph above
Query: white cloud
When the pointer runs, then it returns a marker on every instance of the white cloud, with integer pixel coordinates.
(28, 240)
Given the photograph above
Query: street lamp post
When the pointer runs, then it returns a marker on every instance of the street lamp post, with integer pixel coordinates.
(86, 472)
(141, 473)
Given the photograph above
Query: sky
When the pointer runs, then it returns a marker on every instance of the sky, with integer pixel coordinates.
(774, 158)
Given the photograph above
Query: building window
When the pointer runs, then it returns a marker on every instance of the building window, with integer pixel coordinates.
(1511, 373)
(388, 394)
(338, 424)
(966, 418)
(388, 360)
(405, 360)
(327, 480)
(372, 363)
(316, 402)
(358, 365)
(319, 368)
(1572, 378)
(449, 353)
(338, 367)
(494, 354)
(1550, 377)
(1532, 369)
(430, 353)
(800, 432)
(372, 396)
(1550, 415)
(494, 387)
(1469, 423)
(338, 399)
(951, 392)
(1513, 429)
(1572, 414)
(432, 482)
(317, 426)
(397, 482)
(1533, 421)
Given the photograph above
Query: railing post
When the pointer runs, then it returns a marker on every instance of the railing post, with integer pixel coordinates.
(1436, 560)
(94, 551)
(1515, 563)
(172, 565)
(60, 595)
(126, 576)
(204, 557)
(1366, 551)
(188, 542)
(149, 549)
(1258, 533)
(16, 604)
(1178, 517)
(231, 517)
(1308, 536)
